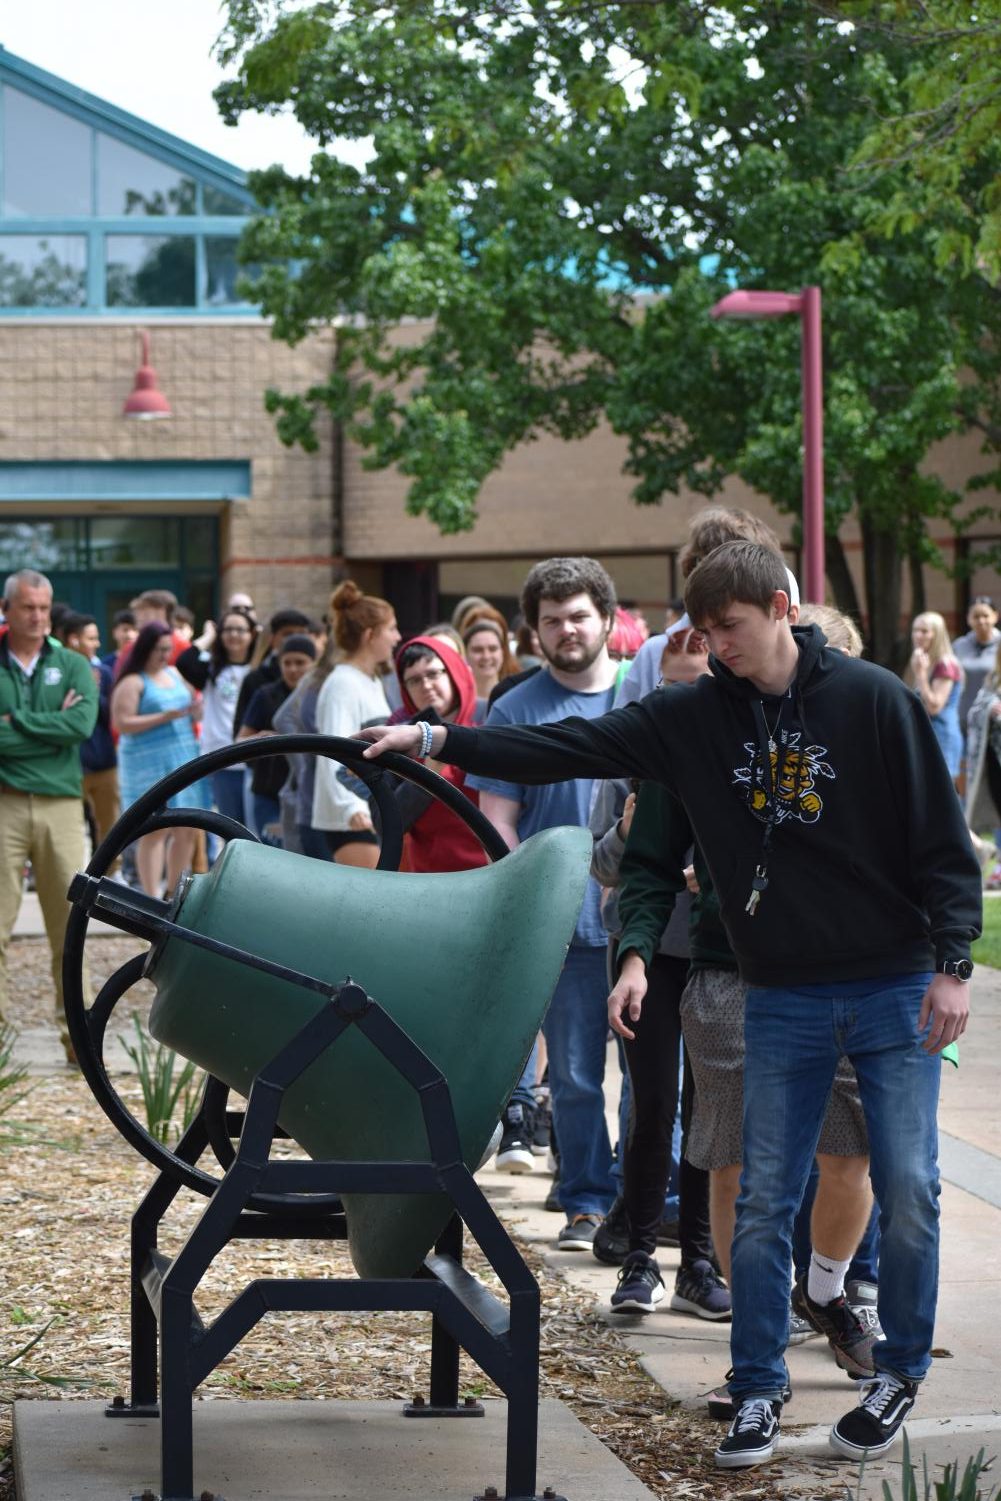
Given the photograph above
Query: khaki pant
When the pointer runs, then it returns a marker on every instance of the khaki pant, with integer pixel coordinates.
(100, 790)
(48, 831)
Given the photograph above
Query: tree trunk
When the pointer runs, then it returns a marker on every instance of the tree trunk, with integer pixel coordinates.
(882, 558)
(840, 576)
(915, 569)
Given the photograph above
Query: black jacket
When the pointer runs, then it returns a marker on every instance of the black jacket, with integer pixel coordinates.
(869, 863)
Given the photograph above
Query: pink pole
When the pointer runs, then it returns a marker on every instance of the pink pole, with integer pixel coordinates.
(813, 449)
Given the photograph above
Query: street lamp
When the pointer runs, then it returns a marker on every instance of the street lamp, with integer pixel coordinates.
(807, 305)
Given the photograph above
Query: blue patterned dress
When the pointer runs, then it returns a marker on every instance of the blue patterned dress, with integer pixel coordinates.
(144, 758)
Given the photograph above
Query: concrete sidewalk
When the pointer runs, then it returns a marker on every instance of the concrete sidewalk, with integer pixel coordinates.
(959, 1410)
(30, 925)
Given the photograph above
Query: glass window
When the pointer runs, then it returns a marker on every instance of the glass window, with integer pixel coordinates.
(215, 201)
(221, 273)
(199, 596)
(49, 546)
(130, 182)
(150, 270)
(43, 270)
(134, 542)
(46, 159)
(200, 534)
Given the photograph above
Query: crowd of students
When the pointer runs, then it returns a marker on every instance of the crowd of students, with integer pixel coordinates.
(662, 955)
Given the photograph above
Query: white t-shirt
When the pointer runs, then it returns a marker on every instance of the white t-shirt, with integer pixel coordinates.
(348, 699)
(219, 707)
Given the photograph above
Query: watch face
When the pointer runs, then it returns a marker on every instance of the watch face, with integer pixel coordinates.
(961, 968)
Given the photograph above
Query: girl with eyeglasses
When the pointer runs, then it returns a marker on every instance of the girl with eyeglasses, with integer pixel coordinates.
(438, 686)
(218, 674)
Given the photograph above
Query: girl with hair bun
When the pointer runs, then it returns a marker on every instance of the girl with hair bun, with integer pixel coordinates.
(364, 630)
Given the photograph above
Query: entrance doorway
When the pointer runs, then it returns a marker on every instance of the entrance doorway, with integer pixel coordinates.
(97, 564)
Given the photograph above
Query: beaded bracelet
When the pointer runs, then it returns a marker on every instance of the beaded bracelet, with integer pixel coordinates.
(425, 730)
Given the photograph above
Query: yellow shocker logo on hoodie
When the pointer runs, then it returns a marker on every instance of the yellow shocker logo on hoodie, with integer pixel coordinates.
(796, 794)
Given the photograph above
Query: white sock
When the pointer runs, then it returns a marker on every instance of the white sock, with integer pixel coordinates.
(826, 1278)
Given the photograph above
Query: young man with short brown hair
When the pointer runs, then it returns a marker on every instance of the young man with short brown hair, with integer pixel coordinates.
(806, 778)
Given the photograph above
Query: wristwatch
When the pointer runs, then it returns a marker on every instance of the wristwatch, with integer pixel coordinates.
(959, 969)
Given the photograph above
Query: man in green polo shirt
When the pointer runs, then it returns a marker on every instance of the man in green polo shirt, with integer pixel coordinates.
(48, 705)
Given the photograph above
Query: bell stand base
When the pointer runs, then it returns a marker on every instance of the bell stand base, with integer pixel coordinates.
(286, 1450)
(465, 1315)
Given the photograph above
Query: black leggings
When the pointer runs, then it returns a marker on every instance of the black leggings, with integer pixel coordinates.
(652, 1061)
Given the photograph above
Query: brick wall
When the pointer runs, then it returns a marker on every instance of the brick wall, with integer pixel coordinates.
(62, 386)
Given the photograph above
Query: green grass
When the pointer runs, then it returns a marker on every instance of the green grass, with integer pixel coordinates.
(987, 950)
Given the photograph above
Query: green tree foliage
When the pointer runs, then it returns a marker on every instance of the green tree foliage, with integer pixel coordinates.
(560, 190)
(46, 282)
(941, 151)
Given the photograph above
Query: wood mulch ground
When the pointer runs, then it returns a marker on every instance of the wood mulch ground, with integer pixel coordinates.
(68, 1187)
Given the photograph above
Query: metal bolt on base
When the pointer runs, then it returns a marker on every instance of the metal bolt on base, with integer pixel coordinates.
(420, 1407)
(490, 1493)
(204, 1496)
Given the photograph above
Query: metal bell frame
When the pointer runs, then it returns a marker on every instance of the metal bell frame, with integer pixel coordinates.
(257, 1198)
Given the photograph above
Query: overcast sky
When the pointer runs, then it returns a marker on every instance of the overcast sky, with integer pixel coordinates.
(155, 61)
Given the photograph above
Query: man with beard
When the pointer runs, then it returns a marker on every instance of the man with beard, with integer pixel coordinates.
(570, 603)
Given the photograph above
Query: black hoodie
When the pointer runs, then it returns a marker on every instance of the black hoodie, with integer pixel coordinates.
(869, 865)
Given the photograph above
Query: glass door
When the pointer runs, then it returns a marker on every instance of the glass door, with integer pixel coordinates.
(97, 564)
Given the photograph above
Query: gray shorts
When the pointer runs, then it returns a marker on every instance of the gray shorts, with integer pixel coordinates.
(712, 1020)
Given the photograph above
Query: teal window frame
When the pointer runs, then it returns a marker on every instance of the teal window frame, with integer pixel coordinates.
(106, 119)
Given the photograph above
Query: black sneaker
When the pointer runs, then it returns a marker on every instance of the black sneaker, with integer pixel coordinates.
(542, 1124)
(720, 1405)
(753, 1435)
(863, 1298)
(871, 1427)
(611, 1241)
(641, 1286)
(514, 1155)
(552, 1202)
(851, 1343)
(578, 1232)
(699, 1289)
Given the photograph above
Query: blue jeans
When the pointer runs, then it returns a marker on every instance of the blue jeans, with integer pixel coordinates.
(793, 1042)
(576, 1032)
(227, 792)
(265, 811)
(523, 1093)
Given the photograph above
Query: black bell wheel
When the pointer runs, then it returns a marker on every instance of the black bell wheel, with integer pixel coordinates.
(88, 1024)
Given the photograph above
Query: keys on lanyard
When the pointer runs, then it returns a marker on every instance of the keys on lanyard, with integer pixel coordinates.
(758, 886)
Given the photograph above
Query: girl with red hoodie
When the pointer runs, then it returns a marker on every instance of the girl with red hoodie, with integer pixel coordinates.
(438, 686)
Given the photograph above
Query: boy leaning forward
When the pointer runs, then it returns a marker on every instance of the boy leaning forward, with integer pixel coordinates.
(816, 790)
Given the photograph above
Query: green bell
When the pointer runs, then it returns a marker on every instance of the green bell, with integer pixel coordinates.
(465, 963)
